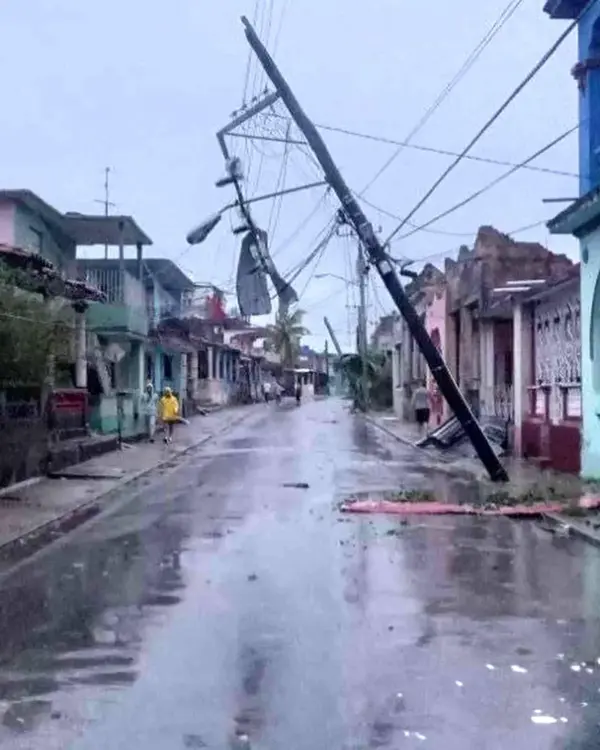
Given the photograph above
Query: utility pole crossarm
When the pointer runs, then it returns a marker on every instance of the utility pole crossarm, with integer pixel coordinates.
(379, 259)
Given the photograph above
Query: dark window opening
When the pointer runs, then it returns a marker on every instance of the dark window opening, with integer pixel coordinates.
(168, 367)
(202, 365)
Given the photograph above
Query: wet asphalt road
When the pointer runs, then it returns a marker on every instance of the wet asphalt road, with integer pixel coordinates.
(219, 602)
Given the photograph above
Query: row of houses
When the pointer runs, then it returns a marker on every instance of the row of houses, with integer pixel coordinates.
(506, 317)
(529, 354)
(133, 319)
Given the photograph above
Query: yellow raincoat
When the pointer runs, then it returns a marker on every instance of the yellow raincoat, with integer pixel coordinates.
(168, 407)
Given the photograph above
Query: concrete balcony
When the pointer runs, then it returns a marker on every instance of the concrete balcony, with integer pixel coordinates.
(124, 313)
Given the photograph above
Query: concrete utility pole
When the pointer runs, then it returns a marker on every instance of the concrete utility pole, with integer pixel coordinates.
(362, 270)
(379, 258)
(330, 330)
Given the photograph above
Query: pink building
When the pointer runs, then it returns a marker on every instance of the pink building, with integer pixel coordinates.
(435, 323)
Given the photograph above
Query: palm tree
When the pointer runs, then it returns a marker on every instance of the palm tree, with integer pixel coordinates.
(284, 336)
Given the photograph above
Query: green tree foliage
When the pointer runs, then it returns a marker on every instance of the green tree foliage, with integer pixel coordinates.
(379, 378)
(33, 331)
(285, 335)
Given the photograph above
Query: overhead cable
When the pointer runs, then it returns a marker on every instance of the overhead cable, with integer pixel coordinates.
(450, 86)
(487, 187)
(481, 132)
(440, 151)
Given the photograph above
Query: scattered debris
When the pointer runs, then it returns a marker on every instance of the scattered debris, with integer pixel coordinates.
(519, 670)
(544, 719)
(253, 577)
(193, 741)
(296, 485)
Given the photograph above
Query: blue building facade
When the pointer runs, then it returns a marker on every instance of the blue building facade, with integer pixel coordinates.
(582, 218)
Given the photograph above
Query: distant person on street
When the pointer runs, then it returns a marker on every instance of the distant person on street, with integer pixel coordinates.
(267, 391)
(420, 404)
(169, 413)
(298, 392)
(150, 409)
(277, 390)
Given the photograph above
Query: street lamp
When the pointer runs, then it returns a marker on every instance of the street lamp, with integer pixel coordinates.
(201, 232)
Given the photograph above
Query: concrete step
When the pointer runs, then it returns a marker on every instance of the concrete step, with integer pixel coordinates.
(70, 452)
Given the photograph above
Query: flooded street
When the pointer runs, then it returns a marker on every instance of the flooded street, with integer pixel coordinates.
(230, 604)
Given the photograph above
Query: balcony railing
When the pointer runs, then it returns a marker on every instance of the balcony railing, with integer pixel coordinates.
(125, 309)
(108, 280)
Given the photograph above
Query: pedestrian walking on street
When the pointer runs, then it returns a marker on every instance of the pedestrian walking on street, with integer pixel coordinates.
(420, 404)
(150, 409)
(267, 391)
(169, 413)
(298, 392)
(278, 391)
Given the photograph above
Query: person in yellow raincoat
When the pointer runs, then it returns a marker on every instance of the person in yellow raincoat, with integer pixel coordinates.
(168, 409)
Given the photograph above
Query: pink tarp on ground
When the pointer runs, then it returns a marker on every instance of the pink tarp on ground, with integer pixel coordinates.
(435, 508)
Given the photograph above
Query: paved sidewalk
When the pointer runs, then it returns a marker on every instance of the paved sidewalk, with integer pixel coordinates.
(35, 514)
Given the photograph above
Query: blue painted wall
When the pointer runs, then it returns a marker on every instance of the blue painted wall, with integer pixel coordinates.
(588, 47)
(589, 170)
(589, 103)
(590, 357)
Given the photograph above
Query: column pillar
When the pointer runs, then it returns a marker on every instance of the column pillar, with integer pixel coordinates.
(80, 346)
(519, 385)
(122, 296)
(210, 356)
(193, 373)
(488, 383)
(141, 356)
(466, 349)
(183, 375)
(158, 374)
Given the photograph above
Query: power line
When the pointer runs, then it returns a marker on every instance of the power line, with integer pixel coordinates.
(440, 151)
(250, 58)
(533, 72)
(275, 212)
(300, 226)
(313, 254)
(447, 90)
(487, 187)
(313, 271)
(446, 253)
(279, 27)
(385, 212)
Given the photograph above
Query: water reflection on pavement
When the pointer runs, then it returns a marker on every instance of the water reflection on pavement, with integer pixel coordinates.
(221, 609)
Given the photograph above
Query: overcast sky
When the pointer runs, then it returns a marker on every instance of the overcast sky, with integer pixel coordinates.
(142, 87)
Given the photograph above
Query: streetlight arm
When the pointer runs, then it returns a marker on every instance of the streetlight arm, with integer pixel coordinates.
(201, 232)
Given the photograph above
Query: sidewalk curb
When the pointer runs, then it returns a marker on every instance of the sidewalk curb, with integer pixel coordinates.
(577, 529)
(17, 549)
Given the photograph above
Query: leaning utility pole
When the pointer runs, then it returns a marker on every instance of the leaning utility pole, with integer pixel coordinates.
(378, 257)
(333, 337)
(361, 272)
